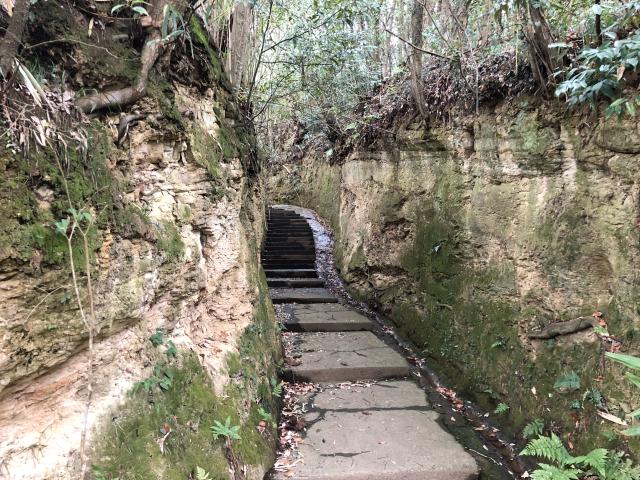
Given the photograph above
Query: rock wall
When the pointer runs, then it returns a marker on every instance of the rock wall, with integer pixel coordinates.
(472, 236)
(177, 300)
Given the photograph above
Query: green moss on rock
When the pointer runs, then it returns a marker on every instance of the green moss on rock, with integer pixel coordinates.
(127, 448)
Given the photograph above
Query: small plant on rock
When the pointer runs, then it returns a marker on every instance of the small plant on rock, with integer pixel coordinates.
(266, 416)
(202, 474)
(276, 387)
(225, 430)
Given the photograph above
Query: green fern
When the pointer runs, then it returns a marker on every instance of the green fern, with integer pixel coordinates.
(596, 460)
(201, 474)
(501, 408)
(550, 448)
(551, 472)
(533, 429)
(619, 468)
(276, 387)
(226, 430)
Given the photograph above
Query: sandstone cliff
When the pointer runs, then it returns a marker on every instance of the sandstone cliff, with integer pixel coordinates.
(174, 261)
(473, 236)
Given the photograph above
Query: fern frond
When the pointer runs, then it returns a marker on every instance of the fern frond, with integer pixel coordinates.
(619, 468)
(550, 448)
(533, 429)
(550, 472)
(201, 474)
(596, 460)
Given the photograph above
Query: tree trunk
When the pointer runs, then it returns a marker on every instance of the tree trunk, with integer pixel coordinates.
(415, 58)
(539, 36)
(13, 36)
(598, 25)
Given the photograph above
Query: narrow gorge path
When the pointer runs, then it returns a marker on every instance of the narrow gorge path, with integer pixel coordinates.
(379, 425)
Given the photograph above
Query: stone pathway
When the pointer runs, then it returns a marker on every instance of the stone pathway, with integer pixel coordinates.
(380, 425)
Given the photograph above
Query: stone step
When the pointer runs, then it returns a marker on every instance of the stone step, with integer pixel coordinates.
(289, 250)
(295, 282)
(286, 232)
(290, 272)
(292, 256)
(289, 236)
(289, 230)
(301, 295)
(344, 356)
(284, 242)
(384, 431)
(285, 261)
(325, 317)
(278, 265)
(286, 258)
(276, 212)
(289, 223)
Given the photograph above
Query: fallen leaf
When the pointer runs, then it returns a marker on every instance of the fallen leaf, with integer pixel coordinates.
(612, 418)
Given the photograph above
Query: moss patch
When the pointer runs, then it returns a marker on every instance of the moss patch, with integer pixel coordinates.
(170, 242)
(127, 447)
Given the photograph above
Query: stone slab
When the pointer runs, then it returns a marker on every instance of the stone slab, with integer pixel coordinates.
(344, 356)
(301, 295)
(291, 273)
(381, 432)
(326, 317)
(295, 282)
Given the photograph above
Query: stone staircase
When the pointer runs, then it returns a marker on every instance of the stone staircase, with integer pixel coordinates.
(379, 427)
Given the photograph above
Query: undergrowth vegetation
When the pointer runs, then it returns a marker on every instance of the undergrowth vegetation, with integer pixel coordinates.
(175, 426)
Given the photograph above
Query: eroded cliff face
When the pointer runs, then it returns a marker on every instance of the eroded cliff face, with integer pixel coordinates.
(471, 237)
(179, 261)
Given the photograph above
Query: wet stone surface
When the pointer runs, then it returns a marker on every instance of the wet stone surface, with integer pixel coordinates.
(365, 427)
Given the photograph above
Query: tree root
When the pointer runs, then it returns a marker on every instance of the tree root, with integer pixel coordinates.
(564, 328)
(124, 96)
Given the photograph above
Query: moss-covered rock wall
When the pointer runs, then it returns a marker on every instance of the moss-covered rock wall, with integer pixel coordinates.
(473, 236)
(184, 330)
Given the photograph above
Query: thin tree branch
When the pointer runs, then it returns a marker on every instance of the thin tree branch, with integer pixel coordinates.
(428, 52)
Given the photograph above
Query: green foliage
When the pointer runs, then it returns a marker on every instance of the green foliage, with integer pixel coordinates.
(501, 409)
(599, 463)
(201, 474)
(226, 430)
(319, 63)
(551, 472)
(633, 363)
(171, 351)
(601, 74)
(534, 428)
(162, 378)
(137, 7)
(276, 387)
(169, 241)
(567, 382)
(550, 448)
(157, 338)
(266, 416)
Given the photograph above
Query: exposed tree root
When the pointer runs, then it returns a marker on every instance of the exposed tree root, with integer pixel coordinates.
(13, 36)
(564, 328)
(125, 96)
